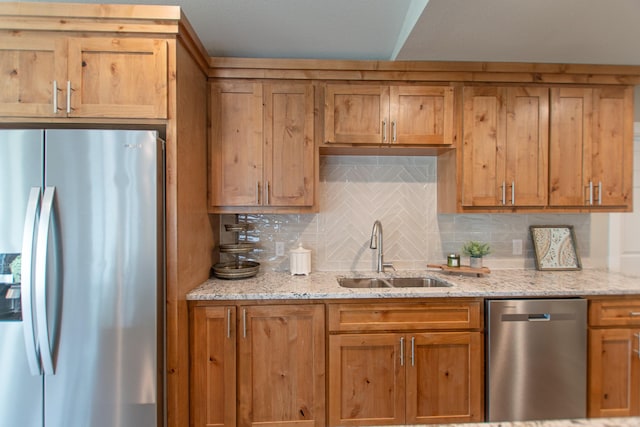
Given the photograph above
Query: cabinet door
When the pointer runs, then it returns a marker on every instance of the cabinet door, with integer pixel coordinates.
(289, 149)
(117, 77)
(236, 144)
(612, 149)
(614, 373)
(30, 69)
(213, 367)
(570, 146)
(356, 114)
(421, 115)
(366, 379)
(527, 146)
(484, 146)
(281, 366)
(444, 378)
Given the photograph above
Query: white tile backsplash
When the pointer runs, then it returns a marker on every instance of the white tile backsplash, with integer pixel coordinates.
(401, 192)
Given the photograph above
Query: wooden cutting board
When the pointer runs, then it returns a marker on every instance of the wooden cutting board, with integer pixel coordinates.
(463, 269)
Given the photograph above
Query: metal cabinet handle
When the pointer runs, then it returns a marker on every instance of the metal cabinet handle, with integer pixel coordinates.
(266, 196)
(257, 192)
(401, 351)
(384, 130)
(504, 193)
(68, 96)
(599, 192)
(637, 351)
(394, 131)
(55, 97)
(634, 313)
(590, 193)
(513, 192)
(244, 323)
(413, 351)
(228, 323)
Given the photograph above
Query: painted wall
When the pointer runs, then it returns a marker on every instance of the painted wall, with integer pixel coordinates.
(401, 192)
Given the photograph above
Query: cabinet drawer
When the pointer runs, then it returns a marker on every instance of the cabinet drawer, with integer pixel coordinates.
(405, 316)
(618, 312)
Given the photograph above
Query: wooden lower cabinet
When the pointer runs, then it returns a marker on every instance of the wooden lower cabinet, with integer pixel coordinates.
(407, 376)
(614, 358)
(264, 366)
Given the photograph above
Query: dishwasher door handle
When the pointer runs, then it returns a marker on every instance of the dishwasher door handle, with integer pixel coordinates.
(542, 317)
(527, 317)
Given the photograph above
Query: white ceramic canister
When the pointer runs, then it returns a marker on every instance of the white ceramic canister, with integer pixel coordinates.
(300, 261)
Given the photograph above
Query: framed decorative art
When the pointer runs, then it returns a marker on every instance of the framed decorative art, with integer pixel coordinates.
(555, 247)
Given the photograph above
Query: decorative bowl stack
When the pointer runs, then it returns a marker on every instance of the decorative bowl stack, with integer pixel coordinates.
(239, 268)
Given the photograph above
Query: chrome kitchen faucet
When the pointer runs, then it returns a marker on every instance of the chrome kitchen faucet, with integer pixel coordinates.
(376, 243)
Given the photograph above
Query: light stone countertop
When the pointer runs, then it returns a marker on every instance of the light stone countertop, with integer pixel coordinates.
(497, 284)
(593, 422)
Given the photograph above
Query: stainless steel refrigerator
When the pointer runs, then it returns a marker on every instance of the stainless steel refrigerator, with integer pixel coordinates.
(81, 278)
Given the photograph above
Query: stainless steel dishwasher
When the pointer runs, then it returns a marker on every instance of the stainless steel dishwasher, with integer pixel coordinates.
(536, 365)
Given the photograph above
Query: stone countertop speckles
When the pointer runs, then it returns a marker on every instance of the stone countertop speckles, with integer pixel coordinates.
(497, 284)
(593, 422)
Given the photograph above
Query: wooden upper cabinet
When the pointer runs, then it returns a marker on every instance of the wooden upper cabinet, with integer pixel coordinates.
(378, 114)
(30, 69)
(236, 144)
(505, 146)
(263, 152)
(117, 77)
(60, 76)
(591, 147)
(289, 147)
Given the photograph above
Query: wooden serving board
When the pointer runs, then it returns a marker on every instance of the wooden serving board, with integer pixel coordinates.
(463, 269)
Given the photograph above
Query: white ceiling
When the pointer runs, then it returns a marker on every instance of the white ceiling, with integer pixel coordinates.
(566, 31)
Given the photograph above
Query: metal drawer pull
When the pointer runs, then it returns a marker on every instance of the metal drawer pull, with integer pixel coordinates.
(634, 313)
(413, 351)
(244, 323)
(402, 351)
(228, 323)
(638, 349)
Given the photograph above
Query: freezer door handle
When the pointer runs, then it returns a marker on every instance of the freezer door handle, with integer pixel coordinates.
(41, 280)
(31, 217)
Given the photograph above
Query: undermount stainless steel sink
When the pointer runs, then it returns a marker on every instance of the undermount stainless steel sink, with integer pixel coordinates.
(392, 282)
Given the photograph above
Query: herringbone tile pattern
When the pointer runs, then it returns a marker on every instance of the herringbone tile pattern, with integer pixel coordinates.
(402, 193)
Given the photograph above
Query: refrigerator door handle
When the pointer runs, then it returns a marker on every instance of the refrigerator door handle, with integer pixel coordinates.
(31, 217)
(41, 280)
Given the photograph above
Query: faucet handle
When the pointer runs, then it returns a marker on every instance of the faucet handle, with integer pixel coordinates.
(388, 265)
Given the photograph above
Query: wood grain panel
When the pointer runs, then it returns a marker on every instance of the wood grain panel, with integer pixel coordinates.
(617, 312)
(570, 146)
(367, 380)
(281, 366)
(29, 66)
(444, 378)
(484, 145)
(398, 316)
(213, 366)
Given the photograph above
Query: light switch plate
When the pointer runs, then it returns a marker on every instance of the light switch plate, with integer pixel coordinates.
(517, 246)
(279, 248)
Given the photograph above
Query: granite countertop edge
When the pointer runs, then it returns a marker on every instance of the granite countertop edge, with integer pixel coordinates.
(271, 285)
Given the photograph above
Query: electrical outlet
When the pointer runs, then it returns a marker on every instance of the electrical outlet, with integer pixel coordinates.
(279, 248)
(517, 246)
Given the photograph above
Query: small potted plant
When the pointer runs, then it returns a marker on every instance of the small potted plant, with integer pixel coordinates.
(475, 251)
